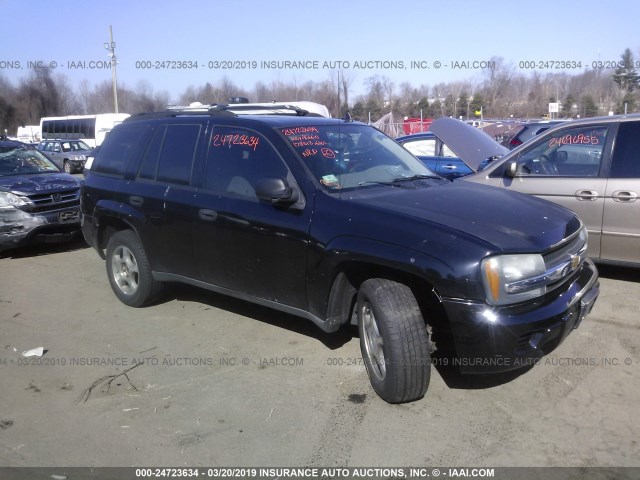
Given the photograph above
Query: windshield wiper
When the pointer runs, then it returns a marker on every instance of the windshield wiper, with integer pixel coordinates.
(398, 181)
(414, 177)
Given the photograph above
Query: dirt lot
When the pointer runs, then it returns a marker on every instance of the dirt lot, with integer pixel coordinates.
(225, 383)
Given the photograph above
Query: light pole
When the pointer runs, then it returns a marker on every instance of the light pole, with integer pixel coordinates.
(111, 47)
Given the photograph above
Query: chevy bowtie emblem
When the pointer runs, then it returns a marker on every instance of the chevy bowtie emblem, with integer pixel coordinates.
(575, 262)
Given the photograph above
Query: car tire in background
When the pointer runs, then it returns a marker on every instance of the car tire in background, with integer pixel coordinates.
(393, 340)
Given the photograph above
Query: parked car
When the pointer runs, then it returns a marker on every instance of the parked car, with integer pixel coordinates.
(438, 157)
(529, 131)
(332, 221)
(68, 155)
(37, 201)
(90, 158)
(591, 166)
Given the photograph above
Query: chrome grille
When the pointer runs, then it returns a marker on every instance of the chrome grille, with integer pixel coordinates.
(565, 260)
(560, 264)
(46, 202)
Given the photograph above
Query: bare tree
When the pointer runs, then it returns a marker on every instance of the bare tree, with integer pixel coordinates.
(346, 79)
(498, 75)
(37, 96)
(70, 101)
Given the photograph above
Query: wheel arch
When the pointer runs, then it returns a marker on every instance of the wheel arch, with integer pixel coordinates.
(110, 225)
(351, 274)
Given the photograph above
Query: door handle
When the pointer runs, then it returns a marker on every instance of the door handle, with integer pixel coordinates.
(586, 195)
(136, 201)
(450, 167)
(624, 196)
(208, 215)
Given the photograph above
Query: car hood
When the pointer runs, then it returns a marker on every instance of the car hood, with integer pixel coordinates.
(509, 221)
(470, 144)
(38, 183)
(69, 152)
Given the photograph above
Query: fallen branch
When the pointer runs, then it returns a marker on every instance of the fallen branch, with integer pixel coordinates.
(106, 384)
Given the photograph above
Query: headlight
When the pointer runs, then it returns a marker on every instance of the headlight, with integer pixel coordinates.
(8, 200)
(511, 279)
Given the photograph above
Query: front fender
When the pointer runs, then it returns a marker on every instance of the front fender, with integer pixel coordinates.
(366, 258)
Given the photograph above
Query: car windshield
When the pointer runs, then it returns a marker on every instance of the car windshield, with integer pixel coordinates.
(351, 156)
(20, 161)
(75, 145)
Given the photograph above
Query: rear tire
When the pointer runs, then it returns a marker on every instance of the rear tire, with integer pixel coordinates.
(129, 271)
(393, 340)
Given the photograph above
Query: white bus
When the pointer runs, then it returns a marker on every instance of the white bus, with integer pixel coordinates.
(89, 128)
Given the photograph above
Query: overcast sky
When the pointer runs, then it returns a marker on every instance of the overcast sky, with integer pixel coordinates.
(234, 38)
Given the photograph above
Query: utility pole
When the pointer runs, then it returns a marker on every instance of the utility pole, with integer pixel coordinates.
(111, 47)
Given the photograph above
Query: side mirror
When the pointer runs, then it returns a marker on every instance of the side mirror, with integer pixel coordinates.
(276, 191)
(511, 169)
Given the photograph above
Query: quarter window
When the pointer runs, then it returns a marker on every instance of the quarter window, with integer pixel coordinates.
(117, 149)
(573, 152)
(447, 152)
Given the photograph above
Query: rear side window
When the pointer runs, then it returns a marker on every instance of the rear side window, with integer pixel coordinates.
(118, 148)
(149, 165)
(425, 147)
(178, 152)
(626, 156)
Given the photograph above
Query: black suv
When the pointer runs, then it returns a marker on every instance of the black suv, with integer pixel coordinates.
(333, 221)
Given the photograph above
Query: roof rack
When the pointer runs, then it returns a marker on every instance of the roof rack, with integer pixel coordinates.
(176, 113)
(300, 108)
(236, 109)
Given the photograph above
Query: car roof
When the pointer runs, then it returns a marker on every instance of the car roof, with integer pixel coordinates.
(632, 117)
(416, 135)
(281, 121)
(602, 119)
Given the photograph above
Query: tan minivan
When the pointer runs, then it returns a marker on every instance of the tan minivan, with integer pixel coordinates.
(591, 166)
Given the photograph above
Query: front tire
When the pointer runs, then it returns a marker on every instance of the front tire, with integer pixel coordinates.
(393, 340)
(67, 167)
(129, 271)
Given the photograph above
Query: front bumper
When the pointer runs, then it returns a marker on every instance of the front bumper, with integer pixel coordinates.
(78, 164)
(18, 227)
(496, 339)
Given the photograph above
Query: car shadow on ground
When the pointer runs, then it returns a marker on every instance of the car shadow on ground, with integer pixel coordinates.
(262, 314)
(451, 375)
(40, 249)
(616, 272)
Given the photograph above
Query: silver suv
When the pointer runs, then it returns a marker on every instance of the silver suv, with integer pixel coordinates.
(591, 166)
(68, 155)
